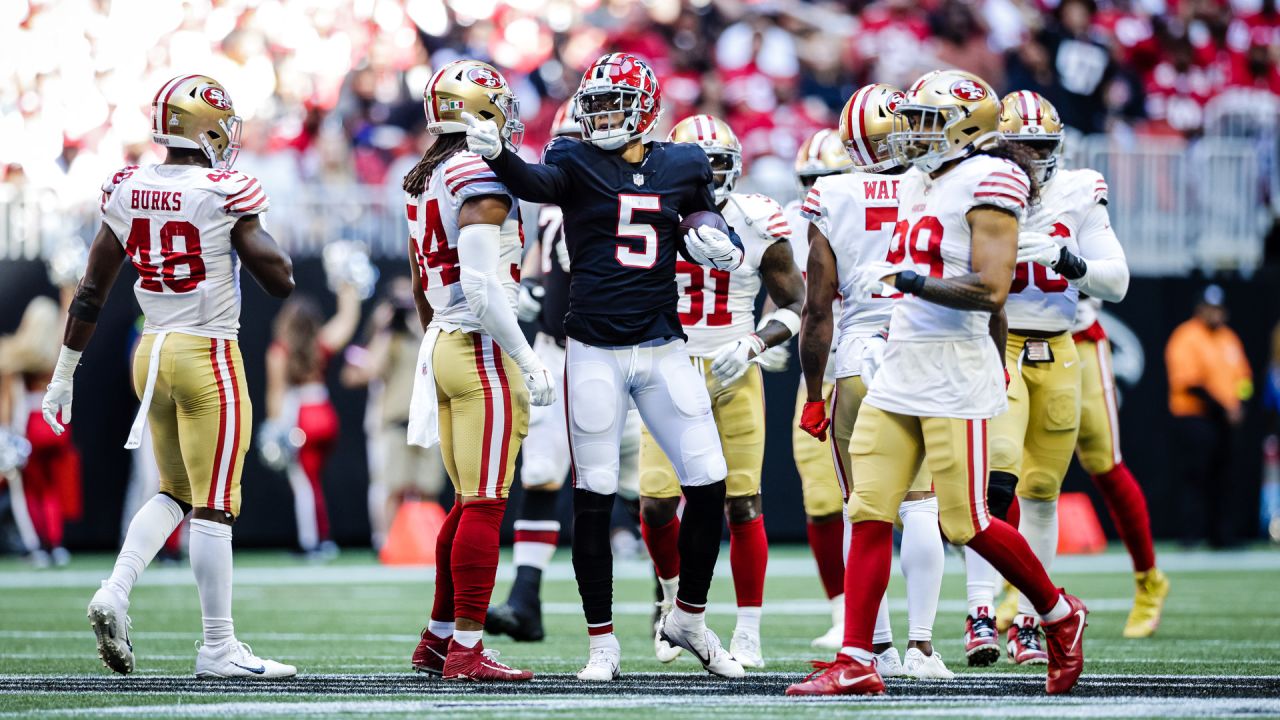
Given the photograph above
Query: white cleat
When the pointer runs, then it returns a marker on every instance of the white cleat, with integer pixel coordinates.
(888, 663)
(661, 648)
(602, 664)
(704, 644)
(925, 667)
(108, 615)
(744, 646)
(234, 659)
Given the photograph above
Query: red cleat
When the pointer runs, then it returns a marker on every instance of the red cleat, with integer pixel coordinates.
(981, 642)
(1025, 644)
(478, 664)
(1064, 641)
(844, 676)
(429, 656)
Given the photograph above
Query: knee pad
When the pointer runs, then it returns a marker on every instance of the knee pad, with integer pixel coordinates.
(687, 388)
(657, 512)
(1000, 487)
(700, 452)
(1040, 486)
(1005, 453)
(742, 509)
(596, 468)
(593, 396)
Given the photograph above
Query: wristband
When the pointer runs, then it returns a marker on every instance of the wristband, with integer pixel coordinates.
(787, 318)
(1070, 265)
(68, 359)
(908, 281)
(84, 310)
(756, 343)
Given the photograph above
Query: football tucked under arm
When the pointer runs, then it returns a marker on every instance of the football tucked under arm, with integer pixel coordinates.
(709, 241)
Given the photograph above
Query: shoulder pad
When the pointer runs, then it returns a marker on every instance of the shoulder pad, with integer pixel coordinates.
(465, 169)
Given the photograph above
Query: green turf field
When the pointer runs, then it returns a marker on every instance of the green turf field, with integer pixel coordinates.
(350, 626)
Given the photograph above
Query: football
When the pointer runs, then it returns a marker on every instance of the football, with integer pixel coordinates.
(702, 218)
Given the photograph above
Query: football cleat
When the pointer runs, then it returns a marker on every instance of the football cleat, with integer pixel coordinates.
(602, 664)
(1024, 644)
(887, 663)
(1007, 610)
(664, 651)
(925, 667)
(234, 659)
(520, 624)
(108, 615)
(843, 676)
(981, 646)
(479, 665)
(1148, 604)
(744, 646)
(833, 638)
(430, 654)
(1064, 642)
(704, 644)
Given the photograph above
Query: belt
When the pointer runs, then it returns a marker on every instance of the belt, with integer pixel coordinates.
(1038, 334)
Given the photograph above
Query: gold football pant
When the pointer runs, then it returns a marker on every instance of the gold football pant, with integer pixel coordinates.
(739, 415)
(818, 484)
(1099, 444)
(846, 408)
(200, 417)
(484, 412)
(1034, 439)
(886, 454)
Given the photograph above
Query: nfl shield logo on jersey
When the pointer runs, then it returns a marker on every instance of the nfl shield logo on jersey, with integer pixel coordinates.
(638, 178)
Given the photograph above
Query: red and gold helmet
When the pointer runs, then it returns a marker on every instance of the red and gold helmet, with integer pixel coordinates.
(946, 115)
(821, 154)
(1029, 119)
(865, 125)
(470, 86)
(622, 90)
(195, 112)
(721, 145)
(565, 121)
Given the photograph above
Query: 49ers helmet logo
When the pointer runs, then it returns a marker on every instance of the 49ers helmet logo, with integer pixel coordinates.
(216, 97)
(484, 77)
(894, 101)
(968, 90)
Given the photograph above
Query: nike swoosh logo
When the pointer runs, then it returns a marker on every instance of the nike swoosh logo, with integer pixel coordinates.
(1079, 629)
(1068, 364)
(256, 671)
(507, 670)
(848, 682)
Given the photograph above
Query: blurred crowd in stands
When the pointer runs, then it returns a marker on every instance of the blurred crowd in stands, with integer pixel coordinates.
(331, 89)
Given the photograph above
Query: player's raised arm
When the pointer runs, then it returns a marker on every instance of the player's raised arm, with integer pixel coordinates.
(262, 257)
(535, 182)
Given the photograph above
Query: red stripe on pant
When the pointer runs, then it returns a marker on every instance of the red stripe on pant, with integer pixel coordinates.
(504, 438)
(749, 558)
(212, 501)
(235, 426)
(486, 441)
(474, 560)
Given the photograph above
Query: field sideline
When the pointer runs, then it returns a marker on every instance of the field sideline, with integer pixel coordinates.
(350, 626)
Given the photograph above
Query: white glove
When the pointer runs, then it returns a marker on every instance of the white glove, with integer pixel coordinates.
(542, 391)
(57, 398)
(562, 254)
(731, 359)
(774, 359)
(1038, 248)
(529, 303)
(713, 248)
(483, 137)
(869, 279)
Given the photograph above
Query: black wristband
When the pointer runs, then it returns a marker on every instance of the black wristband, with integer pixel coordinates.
(1070, 265)
(908, 281)
(83, 310)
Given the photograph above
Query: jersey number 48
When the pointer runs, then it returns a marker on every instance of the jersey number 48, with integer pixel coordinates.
(168, 259)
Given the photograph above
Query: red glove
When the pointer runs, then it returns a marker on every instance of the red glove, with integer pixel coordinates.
(813, 419)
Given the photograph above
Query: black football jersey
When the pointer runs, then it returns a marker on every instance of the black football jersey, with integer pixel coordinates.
(621, 225)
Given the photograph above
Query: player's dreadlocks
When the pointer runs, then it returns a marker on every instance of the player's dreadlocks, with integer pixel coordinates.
(442, 149)
(1021, 156)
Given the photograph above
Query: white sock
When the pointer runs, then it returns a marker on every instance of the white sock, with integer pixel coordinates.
(669, 587)
(440, 629)
(837, 610)
(154, 522)
(304, 507)
(749, 619)
(534, 554)
(468, 638)
(211, 563)
(922, 559)
(1060, 610)
(982, 582)
(1039, 525)
(688, 620)
(607, 640)
(862, 656)
(884, 631)
(847, 539)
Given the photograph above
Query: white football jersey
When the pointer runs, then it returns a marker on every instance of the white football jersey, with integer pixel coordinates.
(175, 224)
(1087, 313)
(800, 251)
(857, 213)
(1041, 299)
(717, 306)
(433, 227)
(941, 362)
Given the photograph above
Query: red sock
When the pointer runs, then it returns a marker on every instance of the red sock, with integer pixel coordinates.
(865, 580)
(442, 609)
(173, 543)
(748, 558)
(826, 539)
(1128, 507)
(1008, 552)
(664, 548)
(475, 557)
(1015, 513)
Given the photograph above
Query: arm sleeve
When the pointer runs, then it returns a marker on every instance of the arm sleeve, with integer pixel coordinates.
(478, 256)
(544, 182)
(1107, 273)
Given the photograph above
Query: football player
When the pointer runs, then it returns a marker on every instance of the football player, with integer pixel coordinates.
(622, 199)
(186, 224)
(1098, 450)
(465, 244)
(941, 378)
(852, 217)
(1066, 247)
(717, 311)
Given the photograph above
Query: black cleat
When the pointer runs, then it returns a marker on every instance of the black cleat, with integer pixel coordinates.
(518, 623)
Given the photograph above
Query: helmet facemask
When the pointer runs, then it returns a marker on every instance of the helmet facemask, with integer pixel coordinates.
(1046, 149)
(726, 168)
(619, 106)
(512, 129)
(920, 136)
(231, 130)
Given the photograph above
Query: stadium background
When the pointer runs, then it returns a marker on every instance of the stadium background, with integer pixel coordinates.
(1174, 101)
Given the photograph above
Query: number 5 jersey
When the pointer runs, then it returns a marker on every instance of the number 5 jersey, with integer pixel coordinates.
(175, 223)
